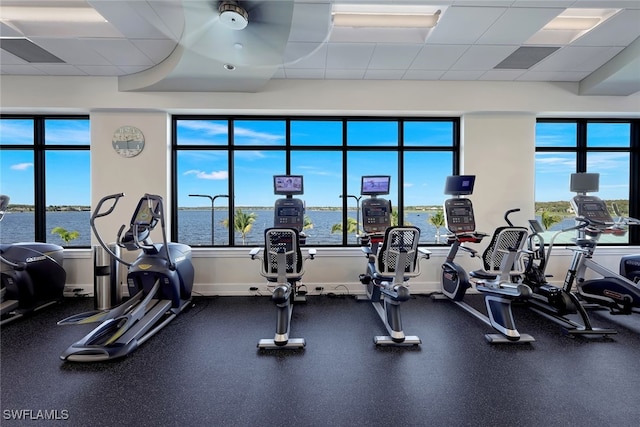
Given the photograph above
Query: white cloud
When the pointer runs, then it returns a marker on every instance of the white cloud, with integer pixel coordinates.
(21, 166)
(214, 175)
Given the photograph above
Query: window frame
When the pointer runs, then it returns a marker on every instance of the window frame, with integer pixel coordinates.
(288, 147)
(40, 149)
(582, 149)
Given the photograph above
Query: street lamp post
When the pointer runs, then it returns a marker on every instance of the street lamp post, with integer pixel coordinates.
(213, 200)
(357, 198)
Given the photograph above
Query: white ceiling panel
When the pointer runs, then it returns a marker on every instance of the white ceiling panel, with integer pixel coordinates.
(619, 30)
(73, 51)
(464, 25)
(383, 74)
(438, 57)
(577, 59)
(471, 38)
(119, 51)
(483, 57)
(349, 55)
(516, 26)
(393, 57)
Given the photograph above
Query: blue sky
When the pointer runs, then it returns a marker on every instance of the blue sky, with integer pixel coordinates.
(207, 172)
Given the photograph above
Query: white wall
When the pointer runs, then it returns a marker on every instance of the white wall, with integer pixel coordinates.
(498, 135)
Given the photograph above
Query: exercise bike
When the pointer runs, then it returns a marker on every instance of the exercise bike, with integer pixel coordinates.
(498, 281)
(282, 262)
(611, 290)
(552, 302)
(32, 276)
(392, 258)
(159, 283)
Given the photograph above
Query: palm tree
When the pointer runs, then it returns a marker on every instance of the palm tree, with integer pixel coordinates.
(65, 235)
(352, 226)
(437, 220)
(242, 223)
(307, 225)
(548, 219)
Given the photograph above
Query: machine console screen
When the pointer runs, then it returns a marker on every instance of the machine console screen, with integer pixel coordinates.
(459, 215)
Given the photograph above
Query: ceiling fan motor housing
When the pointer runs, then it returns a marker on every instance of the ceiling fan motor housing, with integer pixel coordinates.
(232, 15)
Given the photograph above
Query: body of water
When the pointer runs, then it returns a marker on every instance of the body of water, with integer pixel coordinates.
(195, 228)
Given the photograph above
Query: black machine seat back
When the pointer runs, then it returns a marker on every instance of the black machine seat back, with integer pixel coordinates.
(399, 252)
(282, 245)
(504, 239)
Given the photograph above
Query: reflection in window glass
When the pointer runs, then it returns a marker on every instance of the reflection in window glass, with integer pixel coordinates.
(203, 182)
(16, 131)
(556, 134)
(428, 133)
(254, 193)
(16, 181)
(202, 132)
(372, 133)
(68, 170)
(608, 134)
(67, 132)
(361, 163)
(316, 132)
(259, 132)
(423, 192)
(322, 174)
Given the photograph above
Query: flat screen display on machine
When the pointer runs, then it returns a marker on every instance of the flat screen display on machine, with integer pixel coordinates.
(375, 185)
(288, 184)
(585, 182)
(459, 185)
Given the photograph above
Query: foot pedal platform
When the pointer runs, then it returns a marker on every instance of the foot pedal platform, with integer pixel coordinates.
(291, 343)
(386, 340)
(501, 339)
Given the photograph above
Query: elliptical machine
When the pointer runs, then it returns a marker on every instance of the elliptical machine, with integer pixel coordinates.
(611, 290)
(32, 276)
(283, 263)
(498, 281)
(159, 282)
(554, 303)
(392, 258)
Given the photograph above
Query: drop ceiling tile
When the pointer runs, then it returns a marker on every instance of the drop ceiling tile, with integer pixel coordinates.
(351, 74)
(393, 57)
(105, 70)
(383, 74)
(577, 59)
(304, 73)
(24, 70)
(517, 25)
(311, 22)
(72, 51)
(156, 50)
(349, 55)
(464, 25)
(501, 75)
(552, 76)
(305, 55)
(483, 57)
(119, 51)
(423, 75)
(462, 75)
(438, 57)
(60, 70)
(619, 30)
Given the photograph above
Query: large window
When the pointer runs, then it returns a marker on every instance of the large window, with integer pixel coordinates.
(45, 170)
(607, 147)
(224, 167)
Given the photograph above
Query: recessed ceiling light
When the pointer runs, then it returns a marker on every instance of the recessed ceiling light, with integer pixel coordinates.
(229, 67)
(385, 16)
(50, 14)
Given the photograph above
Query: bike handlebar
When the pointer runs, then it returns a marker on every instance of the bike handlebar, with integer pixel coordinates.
(509, 212)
